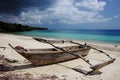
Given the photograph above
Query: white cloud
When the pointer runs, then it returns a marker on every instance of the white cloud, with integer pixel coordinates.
(116, 16)
(93, 5)
(65, 11)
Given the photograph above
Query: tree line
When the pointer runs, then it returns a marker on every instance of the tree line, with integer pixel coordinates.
(13, 27)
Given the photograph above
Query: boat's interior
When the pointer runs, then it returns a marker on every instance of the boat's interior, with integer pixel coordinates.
(49, 50)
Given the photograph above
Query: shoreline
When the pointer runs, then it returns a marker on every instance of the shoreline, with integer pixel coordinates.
(98, 37)
(110, 46)
(87, 41)
(23, 66)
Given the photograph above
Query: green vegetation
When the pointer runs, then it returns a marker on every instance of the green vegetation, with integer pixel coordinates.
(12, 27)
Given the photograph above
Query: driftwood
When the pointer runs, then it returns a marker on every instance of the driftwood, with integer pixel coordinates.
(6, 67)
(5, 64)
(10, 60)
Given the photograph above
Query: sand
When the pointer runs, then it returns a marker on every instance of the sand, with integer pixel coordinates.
(61, 71)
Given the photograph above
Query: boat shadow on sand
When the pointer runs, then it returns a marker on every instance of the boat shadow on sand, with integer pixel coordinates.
(26, 66)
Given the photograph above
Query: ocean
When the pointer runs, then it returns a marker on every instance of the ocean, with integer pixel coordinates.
(106, 36)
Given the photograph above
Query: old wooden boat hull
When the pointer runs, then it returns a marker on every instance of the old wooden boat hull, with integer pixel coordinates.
(51, 55)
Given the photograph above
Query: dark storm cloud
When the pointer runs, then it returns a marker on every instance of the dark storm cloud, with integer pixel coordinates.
(16, 6)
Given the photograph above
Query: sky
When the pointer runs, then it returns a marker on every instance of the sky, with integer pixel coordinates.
(62, 14)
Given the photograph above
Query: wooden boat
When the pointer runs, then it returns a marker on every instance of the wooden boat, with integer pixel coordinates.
(53, 41)
(50, 55)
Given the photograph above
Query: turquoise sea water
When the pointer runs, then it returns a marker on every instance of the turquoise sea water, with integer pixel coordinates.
(107, 36)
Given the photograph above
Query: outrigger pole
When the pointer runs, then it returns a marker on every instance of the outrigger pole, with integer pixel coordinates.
(93, 48)
(94, 68)
(98, 66)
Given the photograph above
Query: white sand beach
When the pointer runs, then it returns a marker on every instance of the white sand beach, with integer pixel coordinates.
(109, 72)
